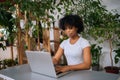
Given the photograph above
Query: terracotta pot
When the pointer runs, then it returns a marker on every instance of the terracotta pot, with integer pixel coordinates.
(112, 69)
(2, 0)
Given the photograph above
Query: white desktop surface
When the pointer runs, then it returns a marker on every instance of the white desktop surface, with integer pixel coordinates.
(23, 72)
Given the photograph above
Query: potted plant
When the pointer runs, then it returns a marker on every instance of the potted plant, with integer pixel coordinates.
(96, 53)
(116, 60)
(113, 38)
(108, 31)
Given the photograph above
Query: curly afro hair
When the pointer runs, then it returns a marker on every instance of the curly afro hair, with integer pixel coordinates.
(71, 21)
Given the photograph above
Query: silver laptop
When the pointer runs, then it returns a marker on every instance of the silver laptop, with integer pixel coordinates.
(41, 63)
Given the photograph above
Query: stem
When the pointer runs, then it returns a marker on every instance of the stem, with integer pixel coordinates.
(19, 45)
(12, 56)
(38, 31)
(110, 42)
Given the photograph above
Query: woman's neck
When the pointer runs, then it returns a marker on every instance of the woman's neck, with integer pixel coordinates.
(74, 39)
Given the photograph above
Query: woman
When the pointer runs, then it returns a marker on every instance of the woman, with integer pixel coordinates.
(75, 48)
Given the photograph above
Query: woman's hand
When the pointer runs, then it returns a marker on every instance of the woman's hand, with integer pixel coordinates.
(62, 68)
(55, 62)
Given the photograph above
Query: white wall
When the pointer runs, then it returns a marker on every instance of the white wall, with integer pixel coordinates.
(6, 53)
(112, 4)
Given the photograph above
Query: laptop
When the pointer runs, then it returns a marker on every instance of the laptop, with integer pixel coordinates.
(41, 62)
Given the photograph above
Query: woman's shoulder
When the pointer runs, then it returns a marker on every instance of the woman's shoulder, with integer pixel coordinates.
(84, 42)
(83, 39)
(64, 43)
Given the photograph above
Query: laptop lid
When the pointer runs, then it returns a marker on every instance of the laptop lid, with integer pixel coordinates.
(41, 62)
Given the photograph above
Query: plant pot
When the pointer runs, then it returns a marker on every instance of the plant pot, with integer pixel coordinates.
(95, 68)
(112, 69)
(2, 0)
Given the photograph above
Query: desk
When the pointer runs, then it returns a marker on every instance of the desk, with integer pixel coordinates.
(23, 72)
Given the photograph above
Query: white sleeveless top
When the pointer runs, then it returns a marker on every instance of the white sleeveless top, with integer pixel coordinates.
(73, 52)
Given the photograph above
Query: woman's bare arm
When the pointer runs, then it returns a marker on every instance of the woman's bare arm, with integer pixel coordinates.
(58, 55)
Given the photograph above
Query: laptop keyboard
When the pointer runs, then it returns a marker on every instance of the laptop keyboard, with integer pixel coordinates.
(58, 73)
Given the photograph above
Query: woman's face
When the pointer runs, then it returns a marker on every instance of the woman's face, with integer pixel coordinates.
(71, 31)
